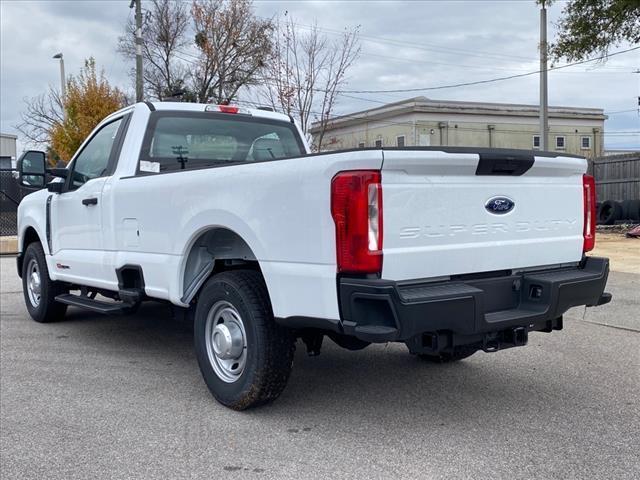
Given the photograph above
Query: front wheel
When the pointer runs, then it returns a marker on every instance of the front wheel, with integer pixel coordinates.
(244, 356)
(39, 290)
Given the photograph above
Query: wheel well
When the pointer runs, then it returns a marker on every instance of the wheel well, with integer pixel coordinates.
(215, 250)
(30, 236)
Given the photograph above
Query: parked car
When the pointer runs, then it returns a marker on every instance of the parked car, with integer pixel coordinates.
(225, 213)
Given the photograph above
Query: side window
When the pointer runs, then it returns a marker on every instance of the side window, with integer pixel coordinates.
(93, 160)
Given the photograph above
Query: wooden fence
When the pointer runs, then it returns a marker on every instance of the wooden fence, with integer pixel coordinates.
(617, 177)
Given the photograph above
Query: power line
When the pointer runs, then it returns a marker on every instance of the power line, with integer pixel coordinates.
(440, 87)
(419, 46)
(622, 111)
(491, 80)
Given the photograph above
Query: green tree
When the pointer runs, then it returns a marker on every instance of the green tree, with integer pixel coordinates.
(591, 27)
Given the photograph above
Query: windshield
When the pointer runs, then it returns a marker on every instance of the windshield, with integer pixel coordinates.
(184, 140)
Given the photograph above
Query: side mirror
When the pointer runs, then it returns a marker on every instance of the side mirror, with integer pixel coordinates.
(55, 187)
(32, 169)
(58, 172)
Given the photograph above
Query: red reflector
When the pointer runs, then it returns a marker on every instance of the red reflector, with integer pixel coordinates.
(356, 207)
(589, 230)
(228, 108)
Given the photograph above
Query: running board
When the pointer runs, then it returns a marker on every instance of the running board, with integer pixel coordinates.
(107, 308)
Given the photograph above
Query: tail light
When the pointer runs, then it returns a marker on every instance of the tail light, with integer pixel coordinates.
(356, 207)
(589, 231)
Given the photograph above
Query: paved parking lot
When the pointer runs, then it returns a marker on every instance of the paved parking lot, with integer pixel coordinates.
(122, 397)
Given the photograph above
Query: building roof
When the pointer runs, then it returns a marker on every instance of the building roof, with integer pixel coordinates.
(9, 135)
(426, 105)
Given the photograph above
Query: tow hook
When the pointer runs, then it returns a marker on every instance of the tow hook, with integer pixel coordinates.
(490, 345)
(515, 337)
(519, 336)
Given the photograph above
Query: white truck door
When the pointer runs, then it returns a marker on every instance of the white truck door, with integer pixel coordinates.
(76, 214)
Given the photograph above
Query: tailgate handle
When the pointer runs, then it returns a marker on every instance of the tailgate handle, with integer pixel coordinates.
(501, 164)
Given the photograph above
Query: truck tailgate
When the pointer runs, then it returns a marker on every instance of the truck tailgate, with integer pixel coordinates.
(438, 219)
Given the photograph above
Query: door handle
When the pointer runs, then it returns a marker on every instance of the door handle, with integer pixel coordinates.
(90, 201)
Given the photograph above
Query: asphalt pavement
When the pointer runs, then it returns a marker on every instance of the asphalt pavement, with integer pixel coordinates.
(98, 397)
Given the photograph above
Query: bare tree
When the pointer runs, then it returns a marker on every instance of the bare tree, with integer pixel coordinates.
(164, 36)
(306, 71)
(41, 115)
(233, 47)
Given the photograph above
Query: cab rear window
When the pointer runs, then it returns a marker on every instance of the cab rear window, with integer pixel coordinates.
(187, 140)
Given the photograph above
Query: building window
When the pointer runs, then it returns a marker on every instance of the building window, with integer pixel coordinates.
(536, 141)
(560, 143)
(361, 145)
(379, 143)
(400, 141)
(585, 143)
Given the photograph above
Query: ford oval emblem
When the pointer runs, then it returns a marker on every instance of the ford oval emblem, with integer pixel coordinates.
(499, 205)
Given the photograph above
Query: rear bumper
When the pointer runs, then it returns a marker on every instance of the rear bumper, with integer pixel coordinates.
(493, 312)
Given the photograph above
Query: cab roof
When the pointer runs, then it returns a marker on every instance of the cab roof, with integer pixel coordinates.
(202, 107)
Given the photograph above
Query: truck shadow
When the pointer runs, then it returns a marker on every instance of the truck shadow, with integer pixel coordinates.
(380, 381)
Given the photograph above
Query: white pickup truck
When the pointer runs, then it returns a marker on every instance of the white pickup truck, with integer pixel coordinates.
(224, 213)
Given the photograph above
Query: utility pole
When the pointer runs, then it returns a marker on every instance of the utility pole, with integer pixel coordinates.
(139, 87)
(544, 98)
(63, 83)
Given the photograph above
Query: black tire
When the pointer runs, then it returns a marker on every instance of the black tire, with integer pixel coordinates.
(627, 207)
(634, 210)
(46, 309)
(599, 213)
(609, 212)
(459, 353)
(269, 347)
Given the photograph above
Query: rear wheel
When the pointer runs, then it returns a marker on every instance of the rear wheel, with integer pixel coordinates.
(39, 290)
(244, 356)
(458, 353)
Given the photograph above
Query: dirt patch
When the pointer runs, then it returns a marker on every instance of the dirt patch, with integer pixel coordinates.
(623, 252)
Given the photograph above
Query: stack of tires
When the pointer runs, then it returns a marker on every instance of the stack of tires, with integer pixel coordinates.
(610, 211)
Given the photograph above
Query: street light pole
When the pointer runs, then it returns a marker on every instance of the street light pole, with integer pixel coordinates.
(139, 85)
(63, 86)
(63, 83)
(544, 98)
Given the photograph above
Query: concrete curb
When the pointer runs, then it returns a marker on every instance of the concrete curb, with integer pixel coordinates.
(8, 245)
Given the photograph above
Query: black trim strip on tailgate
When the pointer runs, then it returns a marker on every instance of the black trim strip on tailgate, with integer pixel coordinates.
(499, 163)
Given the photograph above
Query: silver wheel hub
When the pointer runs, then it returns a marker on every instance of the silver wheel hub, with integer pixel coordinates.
(34, 283)
(226, 341)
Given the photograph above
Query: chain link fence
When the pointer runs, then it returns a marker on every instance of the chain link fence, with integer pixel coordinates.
(10, 196)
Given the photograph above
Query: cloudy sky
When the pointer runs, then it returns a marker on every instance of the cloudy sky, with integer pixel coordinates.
(411, 44)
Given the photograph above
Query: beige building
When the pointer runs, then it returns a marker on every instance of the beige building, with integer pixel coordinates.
(7, 150)
(424, 122)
